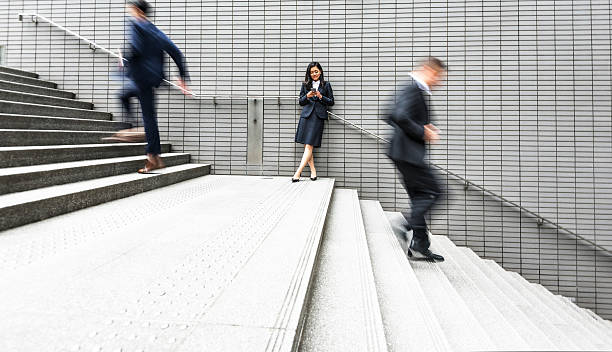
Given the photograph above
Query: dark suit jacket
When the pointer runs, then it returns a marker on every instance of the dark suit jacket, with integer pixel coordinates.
(314, 105)
(146, 54)
(408, 117)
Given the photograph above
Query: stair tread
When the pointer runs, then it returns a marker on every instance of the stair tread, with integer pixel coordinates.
(461, 327)
(51, 92)
(73, 164)
(535, 313)
(71, 103)
(20, 78)
(520, 322)
(17, 71)
(59, 118)
(469, 288)
(12, 199)
(174, 261)
(399, 292)
(70, 146)
(343, 288)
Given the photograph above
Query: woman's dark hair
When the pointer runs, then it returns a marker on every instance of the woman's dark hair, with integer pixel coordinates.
(308, 79)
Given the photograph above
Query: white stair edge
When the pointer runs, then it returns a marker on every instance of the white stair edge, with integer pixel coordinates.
(582, 322)
(405, 310)
(535, 337)
(351, 297)
(18, 198)
(591, 317)
(463, 331)
(10, 171)
(539, 319)
(34, 95)
(499, 330)
(575, 330)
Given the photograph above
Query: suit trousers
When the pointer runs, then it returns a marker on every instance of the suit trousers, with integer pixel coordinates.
(423, 190)
(146, 97)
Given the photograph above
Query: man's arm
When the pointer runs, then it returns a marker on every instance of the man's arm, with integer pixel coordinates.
(175, 54)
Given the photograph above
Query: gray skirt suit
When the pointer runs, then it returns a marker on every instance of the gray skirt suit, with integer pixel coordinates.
(314, 114)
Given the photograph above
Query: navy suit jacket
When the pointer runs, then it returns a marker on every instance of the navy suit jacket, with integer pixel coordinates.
(408, 118)
(314, 105)
(146, 54)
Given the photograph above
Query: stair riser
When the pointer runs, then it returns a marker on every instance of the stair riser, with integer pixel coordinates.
(36, 90)
(26, 80)
(15, 71)
(48, 156)
(42, 123)
(7, 107)
(27, 213)
(25, 182)
(21, 138)
(44, 100)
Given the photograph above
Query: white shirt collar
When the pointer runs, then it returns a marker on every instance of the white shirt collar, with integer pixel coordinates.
(424, 87)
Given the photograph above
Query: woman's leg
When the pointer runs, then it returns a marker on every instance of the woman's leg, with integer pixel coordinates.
(313, 170)
(305, 159)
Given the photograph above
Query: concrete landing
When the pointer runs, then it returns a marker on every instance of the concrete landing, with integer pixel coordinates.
(217, 263)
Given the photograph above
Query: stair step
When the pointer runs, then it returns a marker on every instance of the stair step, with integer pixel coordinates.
(343, 288)
(26, 80)
(14, 138)
(11, 107)
(19, 179)
(218, 263)
(26, 88)
(592, 320)
(22, 208)
(535, 313)
(30, 98)
(410, 323)
(36, 155)
(461, 327)
(18, 72)
(492, 320)
(579, 326)
(58, 123)
(536, 339)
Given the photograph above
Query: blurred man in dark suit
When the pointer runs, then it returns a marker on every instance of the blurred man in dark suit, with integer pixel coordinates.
(145, 69)
(412, 130)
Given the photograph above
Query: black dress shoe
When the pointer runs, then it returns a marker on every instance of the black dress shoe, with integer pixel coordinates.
(295, 179)
(425, 253)
(314, 178)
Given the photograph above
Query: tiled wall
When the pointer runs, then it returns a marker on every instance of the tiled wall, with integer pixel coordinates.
(526, 111)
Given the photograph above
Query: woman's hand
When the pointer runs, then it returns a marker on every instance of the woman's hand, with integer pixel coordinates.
(311, 94)
(319, 95)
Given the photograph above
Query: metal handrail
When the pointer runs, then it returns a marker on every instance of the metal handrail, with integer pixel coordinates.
(94, 47)
(467, 183)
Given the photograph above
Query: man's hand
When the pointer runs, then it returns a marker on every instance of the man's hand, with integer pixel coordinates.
(432, 133)
(183, 87)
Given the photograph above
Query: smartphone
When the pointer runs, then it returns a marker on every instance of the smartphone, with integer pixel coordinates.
(313, 89)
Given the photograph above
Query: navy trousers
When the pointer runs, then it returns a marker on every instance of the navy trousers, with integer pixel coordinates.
(423, 190)
(146, 97)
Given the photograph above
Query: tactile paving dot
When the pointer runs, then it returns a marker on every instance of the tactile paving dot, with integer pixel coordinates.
(34, 242)
(175, 296)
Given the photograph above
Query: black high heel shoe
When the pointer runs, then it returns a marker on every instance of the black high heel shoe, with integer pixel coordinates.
(314, 178)
(295, 180)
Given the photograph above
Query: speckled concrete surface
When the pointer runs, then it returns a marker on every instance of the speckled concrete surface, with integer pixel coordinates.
(217, 263)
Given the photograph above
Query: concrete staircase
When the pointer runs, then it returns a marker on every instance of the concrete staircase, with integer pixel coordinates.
(52, 160)
(239, 263)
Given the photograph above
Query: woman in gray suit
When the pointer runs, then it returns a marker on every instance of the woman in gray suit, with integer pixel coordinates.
(316, 96)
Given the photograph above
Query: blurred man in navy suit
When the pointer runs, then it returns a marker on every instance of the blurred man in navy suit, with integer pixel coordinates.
(145, 69)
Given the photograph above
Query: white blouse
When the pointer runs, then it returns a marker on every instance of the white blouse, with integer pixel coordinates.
(315, 84)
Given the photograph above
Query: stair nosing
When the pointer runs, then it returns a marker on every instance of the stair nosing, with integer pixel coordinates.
(59, 99)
